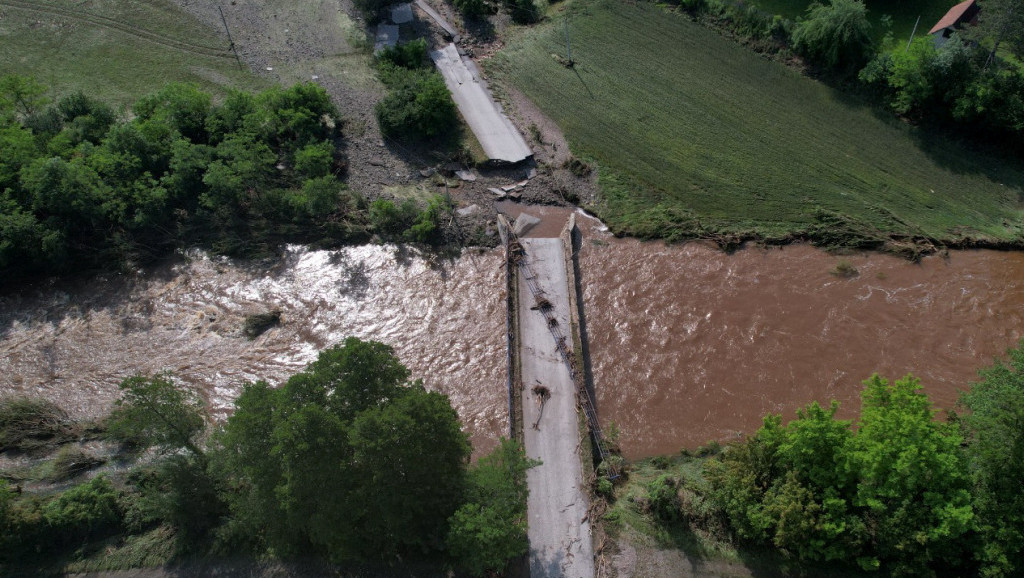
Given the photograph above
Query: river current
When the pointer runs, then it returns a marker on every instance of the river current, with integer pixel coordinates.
(688, 344)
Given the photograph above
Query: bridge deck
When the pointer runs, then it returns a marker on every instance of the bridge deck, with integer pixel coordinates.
(560, 541)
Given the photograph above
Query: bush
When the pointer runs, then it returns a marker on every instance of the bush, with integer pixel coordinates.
(410, 55)
(71, 462)
(391, 220)
(418, 105)
(85, 511)
(471, 8)
(315, 160)
(844, 269)
(663, 497)
(522, 11)
(28, 424)
(836, 36)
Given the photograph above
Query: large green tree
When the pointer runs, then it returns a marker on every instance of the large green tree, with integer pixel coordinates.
(836, 35)
(890, 494)
(912, 481)
(995, 425)
(489, 529)
(347, 459)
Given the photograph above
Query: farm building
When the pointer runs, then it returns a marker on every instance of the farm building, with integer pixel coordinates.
(964, 13)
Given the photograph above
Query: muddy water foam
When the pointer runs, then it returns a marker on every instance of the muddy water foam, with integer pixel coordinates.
(445, 319)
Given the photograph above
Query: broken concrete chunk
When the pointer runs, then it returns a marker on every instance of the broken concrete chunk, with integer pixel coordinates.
(401, 13)
(524, 223)
(497, 191)
(466, 175)
(387, 37)
(470, 210)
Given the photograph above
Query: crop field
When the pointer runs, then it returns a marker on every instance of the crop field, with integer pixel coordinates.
(117, 50)
(695, 135)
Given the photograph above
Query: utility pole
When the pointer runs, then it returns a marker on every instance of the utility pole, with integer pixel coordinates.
(568, 47)
(230, 41)
(912, 33)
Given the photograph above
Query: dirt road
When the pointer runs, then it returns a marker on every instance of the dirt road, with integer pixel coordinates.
(560, 542)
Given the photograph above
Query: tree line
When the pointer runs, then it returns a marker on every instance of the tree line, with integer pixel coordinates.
(896, 491)
(347, 461)
(964, 85)
(83, 187)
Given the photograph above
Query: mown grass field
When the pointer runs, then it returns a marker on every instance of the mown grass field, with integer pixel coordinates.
(116, 50)
(695, 135)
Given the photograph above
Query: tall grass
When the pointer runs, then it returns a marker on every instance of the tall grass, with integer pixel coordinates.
(694, 135)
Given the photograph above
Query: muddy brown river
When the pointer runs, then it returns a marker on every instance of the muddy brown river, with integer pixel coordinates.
(688, 344)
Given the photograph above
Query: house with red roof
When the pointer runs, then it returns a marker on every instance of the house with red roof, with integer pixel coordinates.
(964, 13)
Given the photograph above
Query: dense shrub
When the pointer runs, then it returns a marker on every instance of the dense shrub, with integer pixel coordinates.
(405, 221)
(489, 529)
(522, 11)
(82, 189)
(891, 494)
(85, 511)
(28, 424)
(663, 497)
(836, 35)
(418, 105)
(411, 55)
(471, 8)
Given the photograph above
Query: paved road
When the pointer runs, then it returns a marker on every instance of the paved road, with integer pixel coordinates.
(497, 135)
(560, 542)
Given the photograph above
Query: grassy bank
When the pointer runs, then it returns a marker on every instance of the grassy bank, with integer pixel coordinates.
(696, 136)
(696, 542)
(116, 50)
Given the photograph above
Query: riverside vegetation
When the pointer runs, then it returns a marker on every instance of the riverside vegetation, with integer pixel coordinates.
(82, 188)
(347, 462)
(897, 492)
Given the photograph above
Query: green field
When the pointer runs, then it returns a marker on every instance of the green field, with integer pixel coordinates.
(695, 135)
(116, 50)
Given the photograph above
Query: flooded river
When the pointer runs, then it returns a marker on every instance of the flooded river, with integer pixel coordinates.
(445, 319)
(688, 344)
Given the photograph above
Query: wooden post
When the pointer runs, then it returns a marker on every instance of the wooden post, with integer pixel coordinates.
(912, 33)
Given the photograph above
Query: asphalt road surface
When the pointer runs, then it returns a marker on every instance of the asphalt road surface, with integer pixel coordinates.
(559, 531)
(497, 135)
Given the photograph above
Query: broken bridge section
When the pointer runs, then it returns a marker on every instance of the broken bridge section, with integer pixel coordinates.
(499, 138)
(559, 529)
